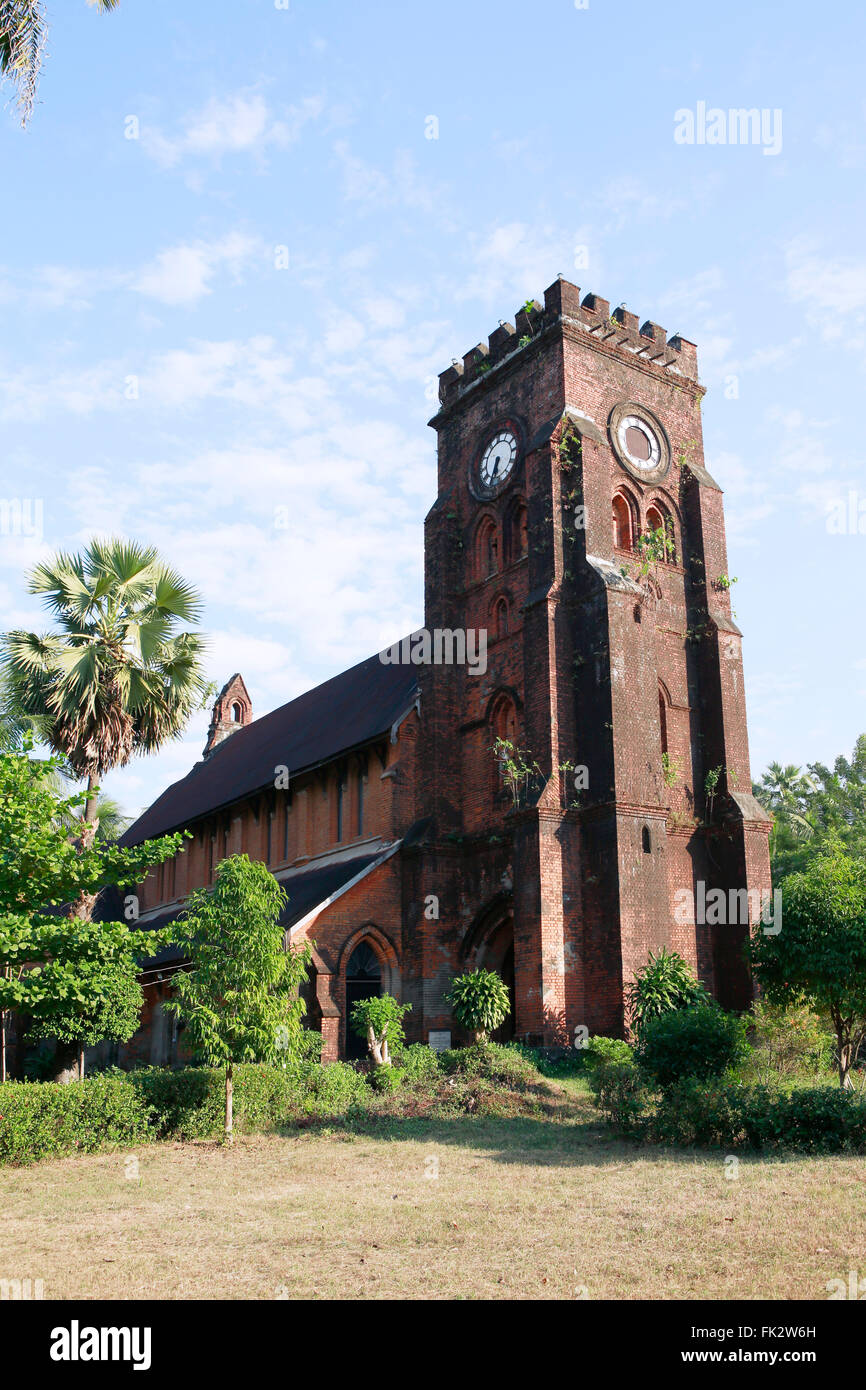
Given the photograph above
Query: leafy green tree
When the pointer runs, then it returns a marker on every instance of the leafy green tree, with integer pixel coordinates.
(480, 1002)
(380, 1021)
(811, 808)
(118, 678)
(22, 43)
(90, 991)
(240, 998)
(50, 961)
(700, 1041)
(819, 956)
(665, 984)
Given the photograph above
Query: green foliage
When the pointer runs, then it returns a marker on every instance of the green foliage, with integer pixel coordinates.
(663, 985)
(810, 809)
(819, 956)
(788, 1042)
(701, 1041)
(51, 1121)
(379, 1020)
(335, 1089)
(385, 1079)
(671, 769)
(599, 1050)
(518, 770)
(419, 1062)
(703, 1112)
(725, 1113)
(480, 1002)
(117, 678)
(621, 1094)
(503, 1066)
(76, 977)
(92, 998)
(240, 999)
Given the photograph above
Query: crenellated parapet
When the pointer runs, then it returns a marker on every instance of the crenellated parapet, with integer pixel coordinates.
(619, 331)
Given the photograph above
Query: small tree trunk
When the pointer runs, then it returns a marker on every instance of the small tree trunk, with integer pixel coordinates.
(90, 803)
(845, 1066)
(374, 1046)
(81, 1061)
(2, 1045)
(229, 1136)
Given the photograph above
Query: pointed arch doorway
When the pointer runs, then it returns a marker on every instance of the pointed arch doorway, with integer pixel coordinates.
(363, 981)
(490, 946)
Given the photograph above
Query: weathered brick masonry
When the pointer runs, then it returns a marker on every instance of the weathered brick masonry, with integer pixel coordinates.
(561, 442)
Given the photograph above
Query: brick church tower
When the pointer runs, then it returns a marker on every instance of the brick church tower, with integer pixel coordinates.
(576, 523)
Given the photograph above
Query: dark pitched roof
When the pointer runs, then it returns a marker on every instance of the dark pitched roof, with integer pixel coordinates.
(345, 712)
(305, 891)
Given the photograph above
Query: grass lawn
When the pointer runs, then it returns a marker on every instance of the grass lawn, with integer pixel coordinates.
(541, 1205)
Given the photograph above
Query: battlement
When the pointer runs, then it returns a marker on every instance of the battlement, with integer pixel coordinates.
(592, 315)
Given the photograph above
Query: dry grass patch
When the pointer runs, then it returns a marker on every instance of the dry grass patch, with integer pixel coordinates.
(471, 1207)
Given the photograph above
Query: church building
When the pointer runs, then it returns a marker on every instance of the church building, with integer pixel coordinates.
(552, 776)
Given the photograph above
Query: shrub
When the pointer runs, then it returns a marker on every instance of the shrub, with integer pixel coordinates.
(485, 1061)
(819, 1120)
(788, 1042)
(386, 1079)
(420, 1063)
(50, 1120)
(664, 985)
(480, 1002)
(335, 1089)
(621, 1094)
(702, 1112)
(607, 1050)
(702, 1041)
(731, 1115)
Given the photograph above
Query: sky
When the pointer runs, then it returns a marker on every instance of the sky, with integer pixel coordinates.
(241, 238)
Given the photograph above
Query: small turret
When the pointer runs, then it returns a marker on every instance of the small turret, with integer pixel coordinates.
(233, 709)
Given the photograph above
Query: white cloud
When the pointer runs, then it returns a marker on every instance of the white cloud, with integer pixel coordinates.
(182, 274)
(237, 123)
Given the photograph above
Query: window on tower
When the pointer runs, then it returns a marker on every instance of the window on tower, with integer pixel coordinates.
(657, 519)
(623, 523)
(486, 549)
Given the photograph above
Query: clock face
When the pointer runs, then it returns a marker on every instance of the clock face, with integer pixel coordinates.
(498, 460)
(639, 443)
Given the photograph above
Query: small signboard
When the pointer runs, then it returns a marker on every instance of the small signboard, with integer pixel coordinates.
(439, 1039)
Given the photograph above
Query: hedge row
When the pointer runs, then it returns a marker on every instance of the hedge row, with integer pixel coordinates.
(113, 1110)
(726, 1113)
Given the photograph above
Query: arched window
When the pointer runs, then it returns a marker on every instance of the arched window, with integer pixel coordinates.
(503, 718)
(623, 528)
(503, 722)
(500, 618)
(657, 519)
(663, 718)
(236, 713)
(517, 532)
(363, 981)
(645, 840)
(486, 549)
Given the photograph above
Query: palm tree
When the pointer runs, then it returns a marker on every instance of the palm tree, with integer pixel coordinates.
(22, 42)
(118, 678)
(785, 791)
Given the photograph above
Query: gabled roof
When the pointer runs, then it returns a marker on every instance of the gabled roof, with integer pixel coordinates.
(307, 889)
(344, 713)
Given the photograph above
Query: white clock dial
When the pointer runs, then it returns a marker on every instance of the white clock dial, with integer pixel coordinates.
(639, 443)
(498, 459)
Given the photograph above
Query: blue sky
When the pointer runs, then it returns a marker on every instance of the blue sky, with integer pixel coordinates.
(165, 375)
